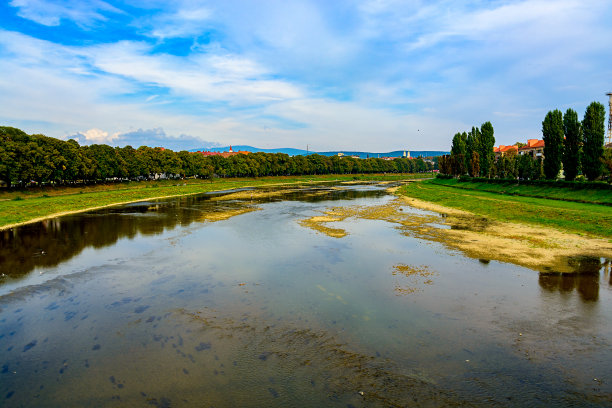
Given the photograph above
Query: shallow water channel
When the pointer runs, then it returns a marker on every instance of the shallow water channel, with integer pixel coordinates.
(173, 303)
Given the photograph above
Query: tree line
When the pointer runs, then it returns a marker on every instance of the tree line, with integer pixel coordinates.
(575, 146)
(471, 153)
(46, 160)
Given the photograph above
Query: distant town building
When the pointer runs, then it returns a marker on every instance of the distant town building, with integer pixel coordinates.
(534, 148)
(504, 150)
(231, 152)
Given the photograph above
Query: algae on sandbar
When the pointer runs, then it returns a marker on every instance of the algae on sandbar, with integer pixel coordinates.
(539, 248)
(254, 194)
(411, 271)
(226, 214)
(267, 193)
(317, 223)
(334, 214)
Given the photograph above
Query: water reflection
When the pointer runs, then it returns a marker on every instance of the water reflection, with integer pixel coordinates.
(258, 311)
(585, 280)
(51, 242)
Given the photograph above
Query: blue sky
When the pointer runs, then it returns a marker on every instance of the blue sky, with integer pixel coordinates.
(375, 75)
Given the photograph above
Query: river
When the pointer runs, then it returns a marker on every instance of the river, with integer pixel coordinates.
(202, 301)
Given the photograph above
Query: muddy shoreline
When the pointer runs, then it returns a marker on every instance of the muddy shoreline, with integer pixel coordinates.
(100, 207)
(535, 247)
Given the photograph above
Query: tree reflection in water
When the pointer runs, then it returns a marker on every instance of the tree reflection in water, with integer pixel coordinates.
(585, 279)
(51, 242)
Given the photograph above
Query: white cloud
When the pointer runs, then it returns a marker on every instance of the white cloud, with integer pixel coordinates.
(233, 79)
(143, 137)
(328, 74)
(188, 20)
(50, 13)
(98, 136)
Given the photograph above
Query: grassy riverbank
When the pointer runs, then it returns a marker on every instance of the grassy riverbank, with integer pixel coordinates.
(553, 192)
(33, 204)
(577, 217)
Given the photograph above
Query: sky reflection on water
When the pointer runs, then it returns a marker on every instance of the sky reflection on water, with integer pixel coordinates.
(152, 306)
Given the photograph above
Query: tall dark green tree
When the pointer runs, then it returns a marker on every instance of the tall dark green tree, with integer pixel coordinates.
(571, 147)
(552, 133)
(473, 146)
(487, 142)
(593, 131)
(526, 166)
(459, 153)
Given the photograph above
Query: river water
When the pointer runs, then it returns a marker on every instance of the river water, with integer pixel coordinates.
(158, 304)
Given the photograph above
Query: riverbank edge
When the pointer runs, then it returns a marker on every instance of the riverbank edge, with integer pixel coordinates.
(584, 219)
(490, 188)
(94, 208)
(510, 242)
(119, 203)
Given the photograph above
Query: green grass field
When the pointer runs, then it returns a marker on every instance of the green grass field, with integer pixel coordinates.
(587, 195)
(19, 206)
(582, 218)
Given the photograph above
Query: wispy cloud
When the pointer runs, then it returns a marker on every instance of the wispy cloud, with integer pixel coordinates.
(338, 74)
(187, 20)
(223, 78)
(85, 14)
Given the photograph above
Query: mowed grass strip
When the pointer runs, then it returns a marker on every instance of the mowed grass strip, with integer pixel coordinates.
(586, 195)
(581, 218)
(22, 206)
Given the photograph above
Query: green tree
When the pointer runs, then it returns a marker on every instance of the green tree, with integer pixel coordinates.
(552, 132)
(13, 156)
(459, 153)
(526, 166)
(444, 164)
(487, 143)
(475, 164)
(593, 139)
(133, 165)
(571, 148)
(73, 154)
(507, 166)
(105, 161)
(473, 146)
(607, 161)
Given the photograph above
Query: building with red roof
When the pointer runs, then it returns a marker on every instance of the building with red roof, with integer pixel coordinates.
(504, 150)
(534, 148)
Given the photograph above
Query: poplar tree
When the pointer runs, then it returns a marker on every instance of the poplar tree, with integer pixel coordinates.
(487, 142)
(593, 131)
(571, 148)
(464, 137)
(473, 146)
(458, 152)
(552, 133)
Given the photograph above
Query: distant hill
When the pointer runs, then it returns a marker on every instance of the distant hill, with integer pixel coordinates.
(395, 153)
(300, 152)
(288, 150)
